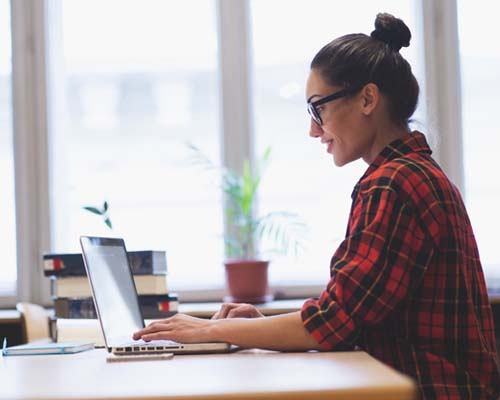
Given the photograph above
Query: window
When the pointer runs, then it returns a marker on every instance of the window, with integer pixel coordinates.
(8, 273)
(302, 177)
(130, 82)
(134, 95)
(480, 63)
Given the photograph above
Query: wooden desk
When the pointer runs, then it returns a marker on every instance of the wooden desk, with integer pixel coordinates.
(249, 376)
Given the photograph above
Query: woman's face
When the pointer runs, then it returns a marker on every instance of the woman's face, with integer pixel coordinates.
(344, 129)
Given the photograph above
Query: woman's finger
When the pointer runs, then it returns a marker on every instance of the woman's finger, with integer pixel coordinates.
(216, 315)
(224, 310)
(156, 327)
(245, 311)
(163, 335)
(237, 312)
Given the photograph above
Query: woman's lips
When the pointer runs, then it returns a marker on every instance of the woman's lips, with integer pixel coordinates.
(329, 145)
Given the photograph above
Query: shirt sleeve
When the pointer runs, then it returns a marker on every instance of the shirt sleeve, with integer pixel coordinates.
(383, 257)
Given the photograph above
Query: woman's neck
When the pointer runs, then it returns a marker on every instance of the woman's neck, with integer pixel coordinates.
(383, 135)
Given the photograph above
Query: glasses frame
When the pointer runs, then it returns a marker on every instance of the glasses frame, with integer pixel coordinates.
(311, 106)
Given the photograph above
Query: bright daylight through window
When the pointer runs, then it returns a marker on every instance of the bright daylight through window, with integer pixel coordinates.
(480, 63)
(129, 100)
(134, 98)
(300, 178)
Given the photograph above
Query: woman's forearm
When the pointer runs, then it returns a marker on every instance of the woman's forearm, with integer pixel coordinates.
(280, 332)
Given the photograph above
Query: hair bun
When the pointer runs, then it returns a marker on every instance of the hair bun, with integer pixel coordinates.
(392, 31)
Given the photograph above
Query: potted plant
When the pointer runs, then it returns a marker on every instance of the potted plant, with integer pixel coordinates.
(246, 268)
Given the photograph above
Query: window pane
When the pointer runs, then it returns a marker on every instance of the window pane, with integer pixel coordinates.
(480, 63)
(302, 177)
(134, 95)
(8, 271)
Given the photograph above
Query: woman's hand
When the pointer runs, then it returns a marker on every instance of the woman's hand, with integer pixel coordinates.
(180, 328)
(186, 329)
(281, 332)
(237, 310)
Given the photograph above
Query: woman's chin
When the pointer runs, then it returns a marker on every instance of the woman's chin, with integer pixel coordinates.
(341, 161)
(338, 161)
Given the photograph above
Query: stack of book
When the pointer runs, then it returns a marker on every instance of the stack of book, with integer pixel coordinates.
(70, 288)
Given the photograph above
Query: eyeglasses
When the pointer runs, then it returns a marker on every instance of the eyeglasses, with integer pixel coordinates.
(313, 111)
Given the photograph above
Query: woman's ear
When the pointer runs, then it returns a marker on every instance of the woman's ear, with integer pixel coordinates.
(370, 96)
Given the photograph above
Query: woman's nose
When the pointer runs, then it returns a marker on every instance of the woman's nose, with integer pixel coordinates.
(315, 129)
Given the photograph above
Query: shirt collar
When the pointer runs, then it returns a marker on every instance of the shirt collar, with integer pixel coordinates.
(414, 142)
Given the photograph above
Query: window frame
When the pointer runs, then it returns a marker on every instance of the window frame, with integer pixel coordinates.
(30, 128)
(34, 119)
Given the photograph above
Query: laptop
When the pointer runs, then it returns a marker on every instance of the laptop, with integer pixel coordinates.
(117, 305)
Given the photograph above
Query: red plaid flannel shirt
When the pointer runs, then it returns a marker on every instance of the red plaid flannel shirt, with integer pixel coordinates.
(406, 283)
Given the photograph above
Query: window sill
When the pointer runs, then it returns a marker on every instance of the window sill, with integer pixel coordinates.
(280, 292)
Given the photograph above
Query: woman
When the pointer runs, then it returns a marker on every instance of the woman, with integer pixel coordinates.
(406, 283)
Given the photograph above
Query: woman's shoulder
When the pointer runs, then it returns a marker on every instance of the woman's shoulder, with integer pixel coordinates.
(411, 176)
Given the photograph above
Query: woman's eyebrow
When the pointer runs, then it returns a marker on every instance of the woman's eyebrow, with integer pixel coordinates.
(314, 95)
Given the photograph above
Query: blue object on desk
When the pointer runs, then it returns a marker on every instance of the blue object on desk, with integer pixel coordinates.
(45, 348)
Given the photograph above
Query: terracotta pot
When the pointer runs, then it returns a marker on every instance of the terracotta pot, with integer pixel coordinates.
(247, 281)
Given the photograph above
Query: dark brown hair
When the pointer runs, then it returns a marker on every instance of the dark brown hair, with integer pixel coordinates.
(357, 59)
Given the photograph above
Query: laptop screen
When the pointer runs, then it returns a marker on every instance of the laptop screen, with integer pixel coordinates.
(113, 288)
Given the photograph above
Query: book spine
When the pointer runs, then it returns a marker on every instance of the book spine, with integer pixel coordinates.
(154, 313)
(72, 286)
(143, 262)
(151, 306)
(148, 262)
(63, 265)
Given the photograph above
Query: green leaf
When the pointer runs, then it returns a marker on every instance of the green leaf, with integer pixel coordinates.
(105, 208)
(284, 229)
(107, 221)
(249, 189)
(93, 210)
(197, 158)
(261, 167)
(233, 247)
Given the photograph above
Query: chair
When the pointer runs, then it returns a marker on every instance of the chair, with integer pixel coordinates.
(35, 322)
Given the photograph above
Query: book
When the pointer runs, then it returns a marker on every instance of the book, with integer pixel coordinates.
(78, 286)
(152, 306)
(77, 330)
(46, 348)
(144, 262)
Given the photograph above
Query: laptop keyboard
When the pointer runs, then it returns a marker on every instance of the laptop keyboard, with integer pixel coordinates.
(154, 346)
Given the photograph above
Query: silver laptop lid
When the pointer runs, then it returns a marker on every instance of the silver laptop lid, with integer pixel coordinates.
(113, 288)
